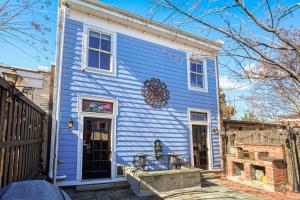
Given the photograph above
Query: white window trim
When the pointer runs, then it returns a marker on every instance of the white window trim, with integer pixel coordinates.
(208, 139)
(112, 116)
(85, 36)
(194, 88)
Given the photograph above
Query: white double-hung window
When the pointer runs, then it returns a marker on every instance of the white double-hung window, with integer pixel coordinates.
(197, 77)
(99, 52)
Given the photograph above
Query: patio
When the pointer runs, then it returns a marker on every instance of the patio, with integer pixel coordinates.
(209, 190)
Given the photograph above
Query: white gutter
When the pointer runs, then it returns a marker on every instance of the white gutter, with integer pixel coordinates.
(62, 10)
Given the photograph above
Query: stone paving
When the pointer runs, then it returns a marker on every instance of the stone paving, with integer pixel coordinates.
(209, 191)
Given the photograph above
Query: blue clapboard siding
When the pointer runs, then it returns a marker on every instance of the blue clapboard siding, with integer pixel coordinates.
(137, 124)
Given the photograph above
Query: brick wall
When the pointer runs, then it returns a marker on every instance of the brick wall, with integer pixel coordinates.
(276, 151)
(275, 169)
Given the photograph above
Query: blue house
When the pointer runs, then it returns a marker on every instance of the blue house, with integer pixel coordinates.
(124, 82)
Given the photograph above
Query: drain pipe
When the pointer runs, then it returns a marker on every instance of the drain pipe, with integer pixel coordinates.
(62, 10)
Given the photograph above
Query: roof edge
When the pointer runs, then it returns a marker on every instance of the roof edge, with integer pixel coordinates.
(213, 45)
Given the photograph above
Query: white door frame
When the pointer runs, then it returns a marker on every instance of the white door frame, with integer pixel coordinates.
(208, 136)
(112, 116)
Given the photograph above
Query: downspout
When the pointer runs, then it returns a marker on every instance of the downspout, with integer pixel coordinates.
(62, 10)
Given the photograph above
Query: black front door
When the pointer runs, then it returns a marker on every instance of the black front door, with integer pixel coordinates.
(96, 148)
(200, 146)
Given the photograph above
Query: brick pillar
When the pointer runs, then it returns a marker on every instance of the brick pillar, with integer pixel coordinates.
(229, 166)
(247, 172)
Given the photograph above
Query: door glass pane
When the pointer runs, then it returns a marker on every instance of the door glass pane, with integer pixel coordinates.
(97, 106)
(200, 146)
(96, 156)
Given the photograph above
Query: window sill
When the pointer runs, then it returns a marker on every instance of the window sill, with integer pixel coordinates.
(198, 89)
(100, 71)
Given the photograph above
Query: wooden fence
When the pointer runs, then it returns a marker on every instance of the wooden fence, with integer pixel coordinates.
(21, 135)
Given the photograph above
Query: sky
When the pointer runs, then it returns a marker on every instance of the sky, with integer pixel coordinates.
(13, 55)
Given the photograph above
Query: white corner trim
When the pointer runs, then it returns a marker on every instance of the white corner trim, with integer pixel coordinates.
(218, 107)
(194, 88)
(84, 61)
(208, 137)
(57, 92)
(81, 115)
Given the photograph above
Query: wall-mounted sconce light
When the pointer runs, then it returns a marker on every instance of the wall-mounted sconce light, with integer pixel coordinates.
(70, 123)
(215, 130)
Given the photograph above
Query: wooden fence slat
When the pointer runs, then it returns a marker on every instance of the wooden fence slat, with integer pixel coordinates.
(13, 159)
(8, 140)
(22, 137)
(28, 147)
(17, 162)
(3, 123)
(31, 135)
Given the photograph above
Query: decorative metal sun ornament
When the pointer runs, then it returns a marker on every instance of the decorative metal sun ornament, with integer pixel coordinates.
(156, 93)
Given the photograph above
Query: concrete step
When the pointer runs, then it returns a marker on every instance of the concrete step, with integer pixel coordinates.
(102, 186)
(211, 174)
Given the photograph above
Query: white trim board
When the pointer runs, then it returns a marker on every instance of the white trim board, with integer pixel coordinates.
(208, 139)
(81, 115)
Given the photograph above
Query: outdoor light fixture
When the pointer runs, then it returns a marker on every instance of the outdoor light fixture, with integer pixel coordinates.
(70, 123)
(12, 77)
(215, 130)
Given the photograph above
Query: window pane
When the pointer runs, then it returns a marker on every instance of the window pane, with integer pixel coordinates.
(200, 68)
(193, 67)
(93, 59)
(105, 42)
(198, 116)
(193, 79)
(200, 80)
(94, 40)
(97, 106)
(105, 61)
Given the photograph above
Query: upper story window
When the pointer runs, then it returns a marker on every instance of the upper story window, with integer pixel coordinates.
(98, 54)
(99, 51)
(197, 75)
